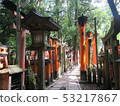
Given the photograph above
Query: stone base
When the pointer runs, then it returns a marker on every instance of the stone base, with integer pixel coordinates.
(56, 74)
(48, 81)
(52, 77)
(83, 75)
(89, 75)
(94, 76)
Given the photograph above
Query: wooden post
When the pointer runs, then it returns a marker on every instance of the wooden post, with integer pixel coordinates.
(82, 58)
(64, 58)
(88, 43)
(107, 69)
(87, 51)
(99, 76)
(60, 58)
(48, 71)
(81, 28)
(101, 69)
(94, 55)
(104, 71)
(41, 69)
(22, 54)
(22, 48)
(115, 64)
(101, 60)
(51, 58)
(119, 72)
(56, 59)
(18, 33)
(94, 51)
(94, 75)
(98, 71)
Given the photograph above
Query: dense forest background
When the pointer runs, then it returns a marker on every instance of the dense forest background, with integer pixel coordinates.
(65, 13)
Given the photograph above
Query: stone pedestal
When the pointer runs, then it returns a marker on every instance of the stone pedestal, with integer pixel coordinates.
(89, 75)
(83, 75)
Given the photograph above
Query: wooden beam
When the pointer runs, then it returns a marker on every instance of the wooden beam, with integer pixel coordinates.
(115, 65)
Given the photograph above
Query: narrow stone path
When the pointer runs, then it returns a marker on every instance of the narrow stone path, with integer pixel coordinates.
(69, 81)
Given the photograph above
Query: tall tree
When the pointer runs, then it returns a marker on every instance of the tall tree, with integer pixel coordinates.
(65, 13)
(75, 37)
(6, 29)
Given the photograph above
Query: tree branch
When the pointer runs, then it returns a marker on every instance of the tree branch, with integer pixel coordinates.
(55, 12)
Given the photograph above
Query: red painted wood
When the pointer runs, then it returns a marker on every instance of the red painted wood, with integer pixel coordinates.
(82, 49)
(22, 48)
(94, 50)
(22, 53)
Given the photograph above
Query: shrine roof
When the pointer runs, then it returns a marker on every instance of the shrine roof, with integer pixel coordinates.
(35, 20)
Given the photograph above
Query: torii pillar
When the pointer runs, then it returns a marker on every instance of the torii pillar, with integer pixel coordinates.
(88, 41)
(94, 51)
(56, 75)
(81, 28)
(51, 58)
(88, 44)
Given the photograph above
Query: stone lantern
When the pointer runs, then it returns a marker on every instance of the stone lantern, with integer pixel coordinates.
(40, 27)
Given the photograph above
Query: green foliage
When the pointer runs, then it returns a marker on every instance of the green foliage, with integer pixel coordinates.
(31, 80)
(67, 17)
(7, 33)
(28, 40)
(64, 12)
(118, 37)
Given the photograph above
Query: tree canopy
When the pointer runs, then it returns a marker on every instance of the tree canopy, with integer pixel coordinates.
(64, 12)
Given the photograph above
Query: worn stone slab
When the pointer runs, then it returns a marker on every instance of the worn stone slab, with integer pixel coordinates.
(69, 81)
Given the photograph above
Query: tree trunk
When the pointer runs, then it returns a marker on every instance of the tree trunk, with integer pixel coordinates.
(75, 37)
(113, 7)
